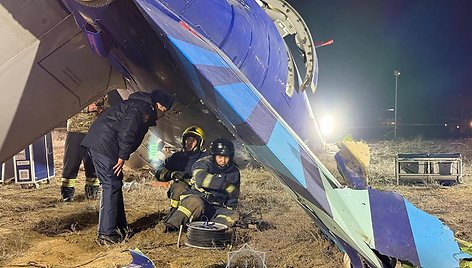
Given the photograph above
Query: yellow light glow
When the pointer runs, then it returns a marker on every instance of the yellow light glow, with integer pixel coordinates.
(327, 125)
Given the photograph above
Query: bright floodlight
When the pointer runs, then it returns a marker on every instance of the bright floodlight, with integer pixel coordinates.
(327, 125)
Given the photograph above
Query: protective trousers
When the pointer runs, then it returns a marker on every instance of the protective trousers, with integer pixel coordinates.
(194, 207)
(112, 211)
(175, 191)
(74, 154)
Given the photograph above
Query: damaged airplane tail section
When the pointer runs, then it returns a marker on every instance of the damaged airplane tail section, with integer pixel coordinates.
(393, 226)
(227, 64)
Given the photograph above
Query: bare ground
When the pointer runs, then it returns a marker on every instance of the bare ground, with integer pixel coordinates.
(37, 230)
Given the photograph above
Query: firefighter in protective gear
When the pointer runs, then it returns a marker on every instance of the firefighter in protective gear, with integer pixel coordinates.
(215, 189)
(178, 167)
(74, 154)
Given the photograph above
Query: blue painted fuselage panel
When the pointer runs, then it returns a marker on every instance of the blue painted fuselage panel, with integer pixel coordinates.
(241, 29)
(247, 36)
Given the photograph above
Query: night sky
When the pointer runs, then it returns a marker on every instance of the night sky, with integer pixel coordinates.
(429, 42)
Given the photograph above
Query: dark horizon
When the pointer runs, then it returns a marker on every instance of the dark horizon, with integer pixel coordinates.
(427, 43)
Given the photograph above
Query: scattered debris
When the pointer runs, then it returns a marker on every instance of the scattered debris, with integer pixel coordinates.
(249, 219)
(139, 260)
(130, 186)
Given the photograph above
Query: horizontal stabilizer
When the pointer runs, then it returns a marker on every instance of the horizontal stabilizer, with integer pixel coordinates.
(396, 228)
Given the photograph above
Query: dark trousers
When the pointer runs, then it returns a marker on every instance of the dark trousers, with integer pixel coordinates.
(175, 191)
(74, 154)
(194, 207)
(112, 210)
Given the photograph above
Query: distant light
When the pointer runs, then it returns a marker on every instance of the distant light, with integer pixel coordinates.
(327, 125)
(457, 127)
(445, 125)
(396, 72)
(470, 124)
(391, 110)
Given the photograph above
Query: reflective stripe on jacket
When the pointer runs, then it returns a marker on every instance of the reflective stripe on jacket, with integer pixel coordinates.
(217, 185)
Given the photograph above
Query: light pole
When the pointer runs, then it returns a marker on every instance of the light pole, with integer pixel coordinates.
(396, 73)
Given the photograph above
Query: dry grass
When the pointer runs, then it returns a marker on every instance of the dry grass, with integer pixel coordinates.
(450, 204)
(36, 227)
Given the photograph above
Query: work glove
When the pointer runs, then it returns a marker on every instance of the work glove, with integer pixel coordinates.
(178, 175)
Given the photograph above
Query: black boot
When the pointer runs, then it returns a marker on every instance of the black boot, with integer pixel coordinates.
(67, 193)
(169, 214)
(169, 228)
(91, 192)
(109, 239)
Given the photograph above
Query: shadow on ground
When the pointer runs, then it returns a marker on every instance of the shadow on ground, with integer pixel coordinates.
(147, 222)
(72, 223)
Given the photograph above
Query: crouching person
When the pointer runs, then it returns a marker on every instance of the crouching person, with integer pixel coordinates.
(215, 189)
(178, 167)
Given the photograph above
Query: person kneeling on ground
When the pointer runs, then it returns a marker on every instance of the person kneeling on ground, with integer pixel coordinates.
(178, 167)
(215, 189)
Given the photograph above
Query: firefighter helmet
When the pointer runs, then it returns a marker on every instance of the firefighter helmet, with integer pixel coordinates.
(195, 132)
(222, 146)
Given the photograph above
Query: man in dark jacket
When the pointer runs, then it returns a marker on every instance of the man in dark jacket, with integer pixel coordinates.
(215, 189)
(178, 167)
(111, 139)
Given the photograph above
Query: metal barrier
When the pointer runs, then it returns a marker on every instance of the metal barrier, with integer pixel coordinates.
(432, 167)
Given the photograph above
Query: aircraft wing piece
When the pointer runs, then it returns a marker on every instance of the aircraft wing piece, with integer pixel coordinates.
(47, 71)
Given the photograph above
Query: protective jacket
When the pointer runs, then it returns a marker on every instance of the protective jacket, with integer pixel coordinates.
(119, 131)
(179, 161)
(218, 186)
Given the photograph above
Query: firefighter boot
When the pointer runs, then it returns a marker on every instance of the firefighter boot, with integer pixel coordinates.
(68, 189)
(104, 240)
(92, 187)
(91, 192)
(67, 193)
